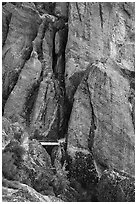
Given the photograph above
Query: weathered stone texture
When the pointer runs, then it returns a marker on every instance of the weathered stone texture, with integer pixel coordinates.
(114, 134)
(68, 75)
(23, 29)
(116, 187)
(98, 31)
(101, 120)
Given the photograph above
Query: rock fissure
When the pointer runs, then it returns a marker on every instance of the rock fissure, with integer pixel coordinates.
(101, 15)
(78, 12)
(93, 126)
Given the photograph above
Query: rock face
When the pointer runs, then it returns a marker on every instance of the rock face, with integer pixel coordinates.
(16, 106)
(68, 77)
(114, 134)
(39, 81)
(22, 30)
(101, 120)
(98, 31)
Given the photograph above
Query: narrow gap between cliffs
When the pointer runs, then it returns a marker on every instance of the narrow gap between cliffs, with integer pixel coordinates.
(60, 74)
(60, 27)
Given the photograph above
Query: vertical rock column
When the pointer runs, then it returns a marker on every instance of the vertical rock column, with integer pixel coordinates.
(18, 105)
(48, 114)
(22, 30)
(44, 120)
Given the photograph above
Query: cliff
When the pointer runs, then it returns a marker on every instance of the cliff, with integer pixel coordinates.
(68, 76)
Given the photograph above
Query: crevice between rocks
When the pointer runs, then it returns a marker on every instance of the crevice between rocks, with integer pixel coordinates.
(101, 15)
(94, 122)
